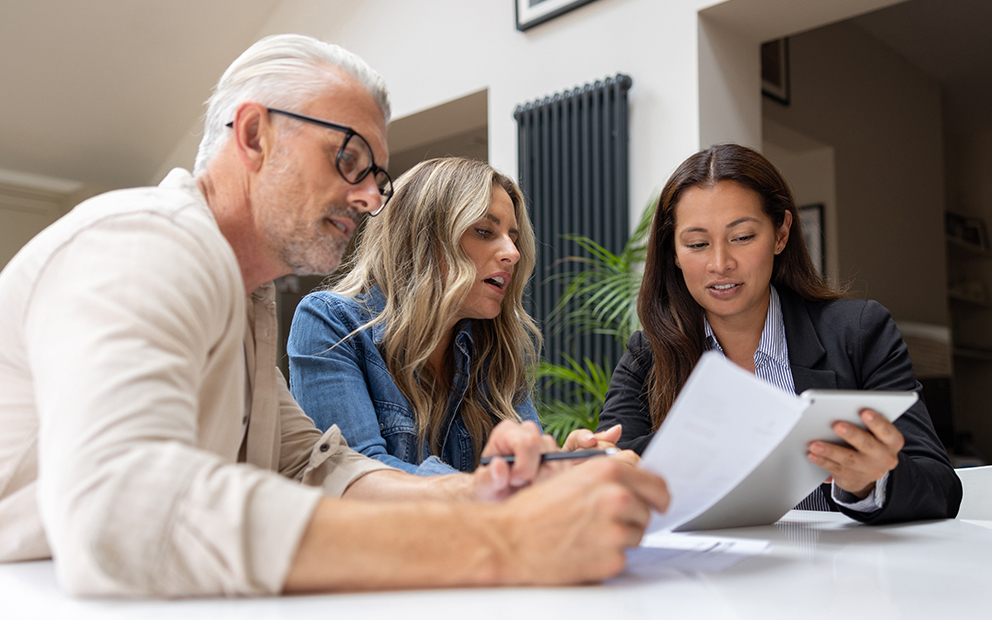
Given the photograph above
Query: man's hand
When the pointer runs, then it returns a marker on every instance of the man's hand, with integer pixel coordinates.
(871, 454)
(569, 530)
(526, 443)
(575, 528)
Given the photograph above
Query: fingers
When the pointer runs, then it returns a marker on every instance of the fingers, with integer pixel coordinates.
(610, 436)
(646, 486)
(867, 457)
(629, 513)
(885, 431)
(584, 439)
(525, 442)
(629, 457)
(579, 439)
(492, 482)
(574, 529)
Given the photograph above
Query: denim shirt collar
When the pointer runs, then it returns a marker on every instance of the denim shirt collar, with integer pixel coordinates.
(375, 302)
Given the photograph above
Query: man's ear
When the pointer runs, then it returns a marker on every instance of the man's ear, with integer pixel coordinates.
(253, 134)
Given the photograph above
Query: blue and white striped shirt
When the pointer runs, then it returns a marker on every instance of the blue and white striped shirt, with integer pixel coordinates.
(771, 360)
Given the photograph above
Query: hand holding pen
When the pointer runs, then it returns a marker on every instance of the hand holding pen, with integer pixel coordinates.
(531, 450)
(556, 456)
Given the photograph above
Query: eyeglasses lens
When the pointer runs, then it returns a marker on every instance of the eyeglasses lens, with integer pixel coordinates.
(354, 158)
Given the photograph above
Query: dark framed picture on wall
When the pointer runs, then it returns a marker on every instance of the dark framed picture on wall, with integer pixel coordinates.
(811, 217)
(775, 70)
(533, 12)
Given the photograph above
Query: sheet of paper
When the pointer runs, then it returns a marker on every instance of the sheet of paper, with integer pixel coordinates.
(723, 424)
(663, 552)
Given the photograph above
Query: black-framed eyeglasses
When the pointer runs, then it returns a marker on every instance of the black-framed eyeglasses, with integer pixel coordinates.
(354, 160)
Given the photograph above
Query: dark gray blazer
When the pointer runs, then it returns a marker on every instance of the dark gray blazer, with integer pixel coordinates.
(846, 344)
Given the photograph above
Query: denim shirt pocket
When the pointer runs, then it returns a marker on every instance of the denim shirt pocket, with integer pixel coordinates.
(458, 450)
(398, 431)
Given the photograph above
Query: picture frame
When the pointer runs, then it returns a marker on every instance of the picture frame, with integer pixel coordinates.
(775, 82)
(530, 13)
(967, 231)
(811, 217)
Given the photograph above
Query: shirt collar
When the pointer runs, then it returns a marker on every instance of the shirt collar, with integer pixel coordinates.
(773, 344)
(374, 301)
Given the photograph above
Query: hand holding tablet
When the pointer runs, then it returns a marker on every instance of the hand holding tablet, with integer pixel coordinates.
(865, 448)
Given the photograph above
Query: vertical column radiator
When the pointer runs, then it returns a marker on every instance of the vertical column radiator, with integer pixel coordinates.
(573, 172)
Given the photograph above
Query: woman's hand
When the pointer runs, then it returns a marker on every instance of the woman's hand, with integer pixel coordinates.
(585, 439)
(870, 454)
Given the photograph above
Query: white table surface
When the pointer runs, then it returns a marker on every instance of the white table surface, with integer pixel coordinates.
(818, 565)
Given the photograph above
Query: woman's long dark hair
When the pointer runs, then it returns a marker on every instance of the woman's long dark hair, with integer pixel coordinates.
(672, 320)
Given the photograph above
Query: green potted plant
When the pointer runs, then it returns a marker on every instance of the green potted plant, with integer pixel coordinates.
(601, 298)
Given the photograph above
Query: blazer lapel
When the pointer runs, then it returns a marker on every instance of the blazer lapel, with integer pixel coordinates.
(805, 348)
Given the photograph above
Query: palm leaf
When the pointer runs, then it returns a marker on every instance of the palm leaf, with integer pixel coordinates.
(600, 297)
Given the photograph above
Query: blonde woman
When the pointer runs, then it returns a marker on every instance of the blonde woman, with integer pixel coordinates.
(425, 345)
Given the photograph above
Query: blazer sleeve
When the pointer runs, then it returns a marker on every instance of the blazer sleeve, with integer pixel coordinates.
(627, 399)
(923, 485)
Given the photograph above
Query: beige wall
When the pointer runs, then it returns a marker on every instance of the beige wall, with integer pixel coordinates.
(882, 117)
(25, 211)
(809, 168)
(969, 192)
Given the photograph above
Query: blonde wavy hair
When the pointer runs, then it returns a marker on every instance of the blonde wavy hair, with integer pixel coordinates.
(412, 251)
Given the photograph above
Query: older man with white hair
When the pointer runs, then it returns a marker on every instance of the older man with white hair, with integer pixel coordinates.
(151, 446)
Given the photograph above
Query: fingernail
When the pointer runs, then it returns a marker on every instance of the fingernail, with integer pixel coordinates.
(816, 448)
(869, 416)
(843, 429)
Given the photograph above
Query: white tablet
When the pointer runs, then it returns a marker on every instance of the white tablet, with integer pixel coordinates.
(786, 476)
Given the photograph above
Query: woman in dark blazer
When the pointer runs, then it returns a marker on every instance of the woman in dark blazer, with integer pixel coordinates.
(727, 269)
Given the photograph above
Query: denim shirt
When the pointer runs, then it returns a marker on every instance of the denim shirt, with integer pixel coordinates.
(349, 385)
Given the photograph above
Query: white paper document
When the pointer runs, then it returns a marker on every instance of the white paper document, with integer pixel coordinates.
(662, 552)
(722, 426)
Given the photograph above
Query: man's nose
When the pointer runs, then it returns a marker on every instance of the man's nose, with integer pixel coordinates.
(365, 195)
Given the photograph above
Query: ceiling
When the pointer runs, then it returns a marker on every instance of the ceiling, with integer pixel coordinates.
(950, 41)
(102, 91)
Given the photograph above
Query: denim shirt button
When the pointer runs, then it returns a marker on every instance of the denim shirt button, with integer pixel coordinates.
(324, 447)
(382, 426)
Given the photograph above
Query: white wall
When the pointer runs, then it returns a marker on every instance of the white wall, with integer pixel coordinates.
(432, 51)
(882, 116)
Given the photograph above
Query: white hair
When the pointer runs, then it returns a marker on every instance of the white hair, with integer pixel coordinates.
(279, 71)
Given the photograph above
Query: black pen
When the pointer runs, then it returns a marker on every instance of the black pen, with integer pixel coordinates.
(556, 456)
